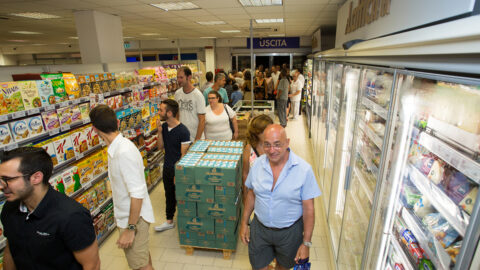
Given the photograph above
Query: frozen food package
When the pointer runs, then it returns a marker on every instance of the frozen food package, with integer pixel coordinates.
(441, 229)
(5, 135)
(423, 207)
(412, 195)
(30, 96)
(454, 250)
(468, 201)
(45, 91)
(456, 185)
(10, 98)
(436, 171)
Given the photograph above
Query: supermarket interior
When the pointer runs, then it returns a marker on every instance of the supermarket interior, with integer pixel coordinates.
(389, 120)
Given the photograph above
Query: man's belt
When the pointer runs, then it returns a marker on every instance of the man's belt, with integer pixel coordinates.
(277, 229)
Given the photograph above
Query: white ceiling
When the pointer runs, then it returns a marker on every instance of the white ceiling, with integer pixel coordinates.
(301, 18)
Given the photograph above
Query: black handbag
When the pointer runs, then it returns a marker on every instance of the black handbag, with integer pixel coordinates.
(229, 119)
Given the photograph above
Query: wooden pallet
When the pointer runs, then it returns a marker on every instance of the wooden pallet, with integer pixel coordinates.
(226, 252)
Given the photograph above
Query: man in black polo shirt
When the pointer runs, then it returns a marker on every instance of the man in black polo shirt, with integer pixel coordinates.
(44, 228)
(175, 138)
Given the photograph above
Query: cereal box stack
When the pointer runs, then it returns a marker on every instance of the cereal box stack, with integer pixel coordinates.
(208, 191)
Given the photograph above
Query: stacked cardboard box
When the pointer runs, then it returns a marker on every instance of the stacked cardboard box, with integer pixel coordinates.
(208, 187)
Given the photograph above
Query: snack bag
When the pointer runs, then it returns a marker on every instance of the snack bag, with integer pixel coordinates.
(35, 125)
(50, 119)
(31, 98)
(104, 83)
(468, 201)
(456, 185)
(436, 171)
(11, 98)
(19, 130)
(95, 84)
(440, 227)
(454, 250)
(64, 116)
(5, 135)
(71, 86)
(58, 86)
(45, 91)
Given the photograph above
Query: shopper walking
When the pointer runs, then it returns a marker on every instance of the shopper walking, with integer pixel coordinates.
(279, 181)
(191, 103)
(283, 87)
(218, 87)
(209, 83)
(44, 228)
(174, 137)
(237, 95)
(221, 120)
(295, 94)
(132, 207)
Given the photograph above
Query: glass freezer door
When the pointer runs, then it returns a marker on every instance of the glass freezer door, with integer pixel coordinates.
(321, 119)
(346, 99)
(371, 122)
(433, 216)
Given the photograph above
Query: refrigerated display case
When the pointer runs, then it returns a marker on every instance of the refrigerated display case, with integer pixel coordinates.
(307, 92)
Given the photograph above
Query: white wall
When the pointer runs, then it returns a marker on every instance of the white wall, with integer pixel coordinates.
(8, 60)
(224, 58)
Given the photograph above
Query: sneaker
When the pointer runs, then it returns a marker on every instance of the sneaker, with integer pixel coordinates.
(165, 226)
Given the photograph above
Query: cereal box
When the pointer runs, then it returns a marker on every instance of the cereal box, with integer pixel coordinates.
(63, 148)
(57, 183)
(48, 146)
(10, 98)
(50, 119)
(84, 110)
(79, 140)
(71, 86)
(64, 116)
(19, 130)
(85, 170)
(30, 96)
(5, 135)
(97, 164)
(45, 91)
(35, 125)
(82, 200)
(92, 137)
(58, 86)
(118, 101)
(71, 180)
(76, 114)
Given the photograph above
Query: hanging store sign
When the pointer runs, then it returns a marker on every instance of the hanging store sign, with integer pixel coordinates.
(275, 43)
(367, 19)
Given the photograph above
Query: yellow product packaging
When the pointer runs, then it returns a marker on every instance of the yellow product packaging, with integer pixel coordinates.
(104, 83)
(83, 201)
(95, 84)
(30, 96)
(71, 86)
(79, 140)
(10, 98)
(92, 137)
(97, 164)
(99, 189)
(64, 116)
(85, 170)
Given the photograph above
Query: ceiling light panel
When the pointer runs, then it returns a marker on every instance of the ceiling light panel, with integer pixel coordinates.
(207, 37)
(25, 32)
(150, 34)
(35, 15)
(260, 3)
(230, 31)
(280, 20)
(212, 23)
(176, 6)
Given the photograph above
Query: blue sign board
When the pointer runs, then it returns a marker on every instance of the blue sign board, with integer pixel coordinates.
(275, 43)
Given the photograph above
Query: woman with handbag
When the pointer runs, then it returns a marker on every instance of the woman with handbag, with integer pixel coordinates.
(220, 119)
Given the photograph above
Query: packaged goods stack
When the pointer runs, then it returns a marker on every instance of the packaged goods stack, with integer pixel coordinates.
(208, 191)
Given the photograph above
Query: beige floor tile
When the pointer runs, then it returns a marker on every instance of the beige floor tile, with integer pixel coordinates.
(205, 257)
(157, 265)
(221, 262)
(241, 262)
(192, 267)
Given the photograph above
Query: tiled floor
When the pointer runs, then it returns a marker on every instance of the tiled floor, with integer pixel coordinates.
(165, 250)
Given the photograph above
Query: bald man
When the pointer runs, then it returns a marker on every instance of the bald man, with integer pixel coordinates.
(281, 189)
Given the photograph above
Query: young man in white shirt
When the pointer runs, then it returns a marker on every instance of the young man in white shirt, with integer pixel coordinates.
(132, 207)
(192, 104)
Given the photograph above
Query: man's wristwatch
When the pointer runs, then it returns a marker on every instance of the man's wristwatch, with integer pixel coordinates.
(132, 227)
(307, 244)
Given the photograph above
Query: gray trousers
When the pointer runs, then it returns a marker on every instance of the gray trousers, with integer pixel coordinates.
(282, 112)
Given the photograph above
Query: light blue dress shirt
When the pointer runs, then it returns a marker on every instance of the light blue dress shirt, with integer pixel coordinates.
(221, 91)
(281, 207)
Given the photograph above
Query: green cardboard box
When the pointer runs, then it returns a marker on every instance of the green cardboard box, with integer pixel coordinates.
(202, 236)
(196, 224)
(223, 226)
(195, 193)
(187, 238)
(217, 173)
(184, 174)
(187, 208)
(226, 191)
(232, 245)
(228, 211)
(207, 243)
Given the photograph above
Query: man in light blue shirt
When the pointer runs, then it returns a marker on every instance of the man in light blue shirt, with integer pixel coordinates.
(281, 188)
(217, 86)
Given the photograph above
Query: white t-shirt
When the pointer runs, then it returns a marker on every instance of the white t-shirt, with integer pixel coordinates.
(302, 80)
(275, 76)
(217, 127)
(190, 106)
(295, 86)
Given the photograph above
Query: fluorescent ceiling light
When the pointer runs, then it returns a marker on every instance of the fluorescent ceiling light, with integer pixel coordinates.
(127, 37)
(212, 22)
(39, 44)
(73, 37)
(277, 35)
(176, 6)
(150, 34)
(230, 31)
(207, 37)
(63, 43)
(35, 15)
(17, 40)
(163, 38)
(25, 32)
(260, 3)
(280, 20)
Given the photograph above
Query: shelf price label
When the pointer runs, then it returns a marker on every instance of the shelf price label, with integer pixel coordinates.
(11, 146)
(76, 101)
(80, 156)
(19, 114)
(53, 132)
(65, 128)
(50, 108)
(3, 118)
(33, 111)
(86, 121)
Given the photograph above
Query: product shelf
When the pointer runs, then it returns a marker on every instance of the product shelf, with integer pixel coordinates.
(359, 207)
(88, 185)
(363, 184)
(469, 140)
(371, 134)
(152, 186)
(368, 161)
(439, 257)
(107, 234)
(398, 249)
(450, 155)
(442, 203)
(69, 162)
(379, 110)
(101, 206)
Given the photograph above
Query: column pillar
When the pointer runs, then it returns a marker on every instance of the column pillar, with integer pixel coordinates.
(100, 37)
(210, 59)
